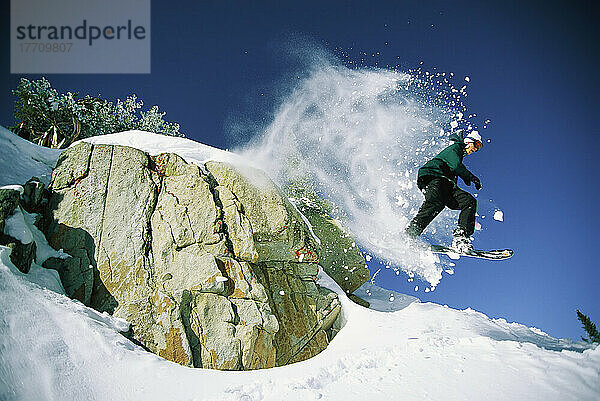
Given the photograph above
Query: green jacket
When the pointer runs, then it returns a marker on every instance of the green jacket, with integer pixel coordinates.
(448, 163)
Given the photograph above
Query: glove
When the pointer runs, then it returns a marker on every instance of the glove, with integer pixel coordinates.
(477, 182)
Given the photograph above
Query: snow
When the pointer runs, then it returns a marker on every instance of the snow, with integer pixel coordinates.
(18, 188)
(55, 348)
(360, 136)
(155, 144)
(498, 215)
(453, 255)
(20, 225)
(22, 160)
(16, 227)
(310, 227)
(376, 296)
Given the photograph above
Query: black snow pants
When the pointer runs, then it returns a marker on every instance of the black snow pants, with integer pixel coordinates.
(440, 192)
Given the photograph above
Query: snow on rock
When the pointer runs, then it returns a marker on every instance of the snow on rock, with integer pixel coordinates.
(155, 144)
(20, 225)
(16, 227)
(18, 188)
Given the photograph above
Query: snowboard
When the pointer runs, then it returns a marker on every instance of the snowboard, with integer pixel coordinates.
(497, 254)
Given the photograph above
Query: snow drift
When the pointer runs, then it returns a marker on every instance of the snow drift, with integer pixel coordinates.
(54, 348)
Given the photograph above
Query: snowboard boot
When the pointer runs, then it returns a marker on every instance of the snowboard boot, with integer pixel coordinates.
(461, 242)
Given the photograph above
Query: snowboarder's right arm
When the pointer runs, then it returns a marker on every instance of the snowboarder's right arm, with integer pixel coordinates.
(465, 174)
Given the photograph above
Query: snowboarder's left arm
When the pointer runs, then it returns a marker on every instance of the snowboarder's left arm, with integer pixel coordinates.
(463, 173)
(467, 176)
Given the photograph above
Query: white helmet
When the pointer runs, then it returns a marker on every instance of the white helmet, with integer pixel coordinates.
(473, 137)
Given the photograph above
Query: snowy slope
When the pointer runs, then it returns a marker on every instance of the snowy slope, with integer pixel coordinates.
(54, 348)
(21, 159)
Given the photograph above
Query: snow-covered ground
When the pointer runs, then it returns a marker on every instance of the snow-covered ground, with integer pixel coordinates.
(55, 348)
(20, 160)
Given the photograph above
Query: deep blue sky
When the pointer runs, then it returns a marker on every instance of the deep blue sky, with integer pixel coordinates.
(534, 72)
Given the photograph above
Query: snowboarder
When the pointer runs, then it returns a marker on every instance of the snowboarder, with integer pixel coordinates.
(437, 179)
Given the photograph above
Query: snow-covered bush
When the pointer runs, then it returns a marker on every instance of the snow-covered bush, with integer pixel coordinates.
(55, 120)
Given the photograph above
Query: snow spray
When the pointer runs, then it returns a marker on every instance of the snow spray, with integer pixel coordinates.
(360, 136)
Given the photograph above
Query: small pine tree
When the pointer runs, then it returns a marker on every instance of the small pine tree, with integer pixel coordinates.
(55, 120)
(589, 327)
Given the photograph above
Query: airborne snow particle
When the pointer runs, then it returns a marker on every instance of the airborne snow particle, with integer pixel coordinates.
(416, 288)
(498, 215)
(467, 79)
(282, 292)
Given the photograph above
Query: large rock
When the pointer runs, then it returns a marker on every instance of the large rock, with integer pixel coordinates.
(340, 257)
(279, 232)
(302, 331)
(195, 261)
(237, 225)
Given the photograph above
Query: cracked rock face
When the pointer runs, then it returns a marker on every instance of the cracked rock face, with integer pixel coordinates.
(340, 257)
(213, 270)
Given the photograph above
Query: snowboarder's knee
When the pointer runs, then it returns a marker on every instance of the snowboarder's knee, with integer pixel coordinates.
(470, 201)
(434, 205)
